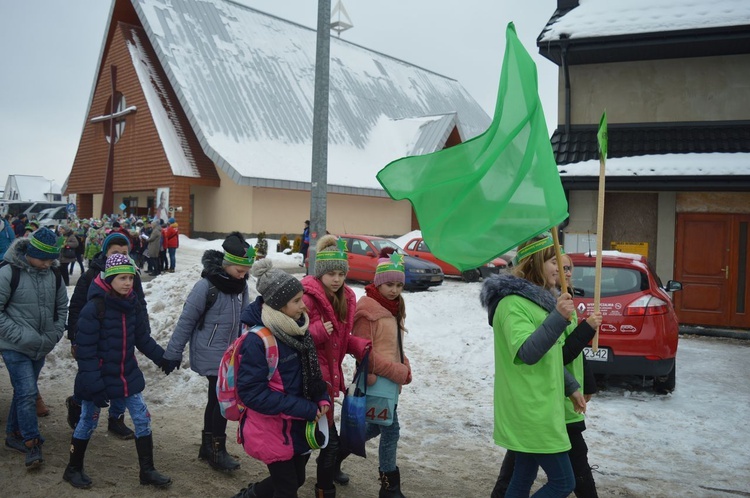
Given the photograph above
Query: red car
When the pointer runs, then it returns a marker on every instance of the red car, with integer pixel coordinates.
(418, 248)
(638, 335)
(363, 251)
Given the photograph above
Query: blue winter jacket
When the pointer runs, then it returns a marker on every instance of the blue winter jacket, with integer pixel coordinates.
(7, 236)
(221, 324)
(274, 428)
(106, 351)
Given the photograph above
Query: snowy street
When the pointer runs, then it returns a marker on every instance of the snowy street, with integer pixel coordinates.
(692, 443)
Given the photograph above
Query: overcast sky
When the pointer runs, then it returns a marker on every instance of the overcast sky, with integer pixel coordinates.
(49, 50)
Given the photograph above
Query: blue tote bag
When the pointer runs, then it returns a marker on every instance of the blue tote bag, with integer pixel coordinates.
(353, 422)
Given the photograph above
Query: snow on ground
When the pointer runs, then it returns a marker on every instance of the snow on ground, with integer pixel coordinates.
(693, 442)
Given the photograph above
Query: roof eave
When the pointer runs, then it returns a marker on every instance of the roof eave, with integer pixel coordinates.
(723, 183)
(728, 40)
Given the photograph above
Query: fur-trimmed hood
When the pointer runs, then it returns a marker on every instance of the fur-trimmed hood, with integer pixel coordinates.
(211, 261)
(503, 285)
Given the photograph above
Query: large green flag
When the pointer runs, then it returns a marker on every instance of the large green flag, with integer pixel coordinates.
(478, 199)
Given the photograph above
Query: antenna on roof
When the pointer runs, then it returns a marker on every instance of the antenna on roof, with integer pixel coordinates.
(338, 25)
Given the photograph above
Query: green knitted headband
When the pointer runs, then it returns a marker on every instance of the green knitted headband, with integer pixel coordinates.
(119, 270)
(395, 263)
(534, 247)
(333, 255)
(43, 247)
(239, 260)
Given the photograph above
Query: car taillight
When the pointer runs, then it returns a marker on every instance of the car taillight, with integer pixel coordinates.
(647, 305)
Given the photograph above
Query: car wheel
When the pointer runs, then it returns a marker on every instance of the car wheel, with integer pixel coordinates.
(665, 384)
(471, 275)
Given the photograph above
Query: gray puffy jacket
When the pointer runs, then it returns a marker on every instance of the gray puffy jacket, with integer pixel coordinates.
(27, 323)
(221, 323)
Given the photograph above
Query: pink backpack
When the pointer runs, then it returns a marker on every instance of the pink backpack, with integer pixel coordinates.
(226, 386)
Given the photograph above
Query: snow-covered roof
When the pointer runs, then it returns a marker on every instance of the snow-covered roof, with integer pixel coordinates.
(30, 187)
(597, 18)
(696, 165)
(246, 82)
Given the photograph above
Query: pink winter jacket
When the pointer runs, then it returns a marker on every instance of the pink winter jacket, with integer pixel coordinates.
(331, 349)
(372, 321)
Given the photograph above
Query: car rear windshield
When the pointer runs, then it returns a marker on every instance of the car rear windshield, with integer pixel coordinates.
(380, 244)
(615, 281)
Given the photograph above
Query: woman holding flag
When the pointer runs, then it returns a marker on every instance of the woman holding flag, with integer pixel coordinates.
(531, 382)
(574, 421)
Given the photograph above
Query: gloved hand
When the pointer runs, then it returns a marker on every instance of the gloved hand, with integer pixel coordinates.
(100, 400)
(168, 365)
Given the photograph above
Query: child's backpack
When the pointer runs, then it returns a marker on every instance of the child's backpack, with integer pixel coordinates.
(226, 386)
(15, 278)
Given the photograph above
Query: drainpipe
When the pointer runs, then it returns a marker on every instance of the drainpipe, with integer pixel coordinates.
(566, 73)
(564, 41)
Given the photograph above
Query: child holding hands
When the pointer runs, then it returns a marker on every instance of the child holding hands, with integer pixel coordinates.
(210, 330)
(111, 325)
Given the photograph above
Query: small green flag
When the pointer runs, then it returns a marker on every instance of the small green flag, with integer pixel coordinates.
(478, 199)
(602, 136)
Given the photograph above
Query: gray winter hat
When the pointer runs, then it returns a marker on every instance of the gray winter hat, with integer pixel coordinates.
(276, 286)
(331, 255)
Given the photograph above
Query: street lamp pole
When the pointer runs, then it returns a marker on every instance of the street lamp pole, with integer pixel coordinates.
(319, 175)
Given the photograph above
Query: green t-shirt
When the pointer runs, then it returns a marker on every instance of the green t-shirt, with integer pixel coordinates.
(529, 399)
(576, 368)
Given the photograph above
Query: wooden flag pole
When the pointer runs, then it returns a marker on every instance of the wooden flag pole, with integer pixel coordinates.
(558, 255)
(599, 244)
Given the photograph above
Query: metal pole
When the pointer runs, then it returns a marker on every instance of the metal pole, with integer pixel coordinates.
(319, 176)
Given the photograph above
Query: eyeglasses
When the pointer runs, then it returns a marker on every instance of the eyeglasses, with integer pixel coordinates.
(567, 269)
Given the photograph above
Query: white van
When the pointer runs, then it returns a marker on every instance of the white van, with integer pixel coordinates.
(52, 217)
(33, 211)
(14, 208)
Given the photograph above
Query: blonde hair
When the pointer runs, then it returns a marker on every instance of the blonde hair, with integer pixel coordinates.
(531, 268)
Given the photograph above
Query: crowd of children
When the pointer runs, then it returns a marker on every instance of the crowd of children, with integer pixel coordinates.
(295, 336)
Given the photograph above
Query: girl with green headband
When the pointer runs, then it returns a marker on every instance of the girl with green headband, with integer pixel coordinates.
(531, 383)
(111, 325)
(331, 304)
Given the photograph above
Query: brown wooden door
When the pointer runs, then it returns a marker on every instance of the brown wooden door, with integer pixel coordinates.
(711, 261)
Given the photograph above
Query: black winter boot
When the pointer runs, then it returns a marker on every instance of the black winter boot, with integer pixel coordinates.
(338, 476)
(148, 474)
(220, 459)
(205, 452)
(116, 425)
(390, 484)
(74, 473)
(248, 492)
(324, 493)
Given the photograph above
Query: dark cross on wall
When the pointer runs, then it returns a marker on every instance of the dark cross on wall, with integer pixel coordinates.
(116, 122)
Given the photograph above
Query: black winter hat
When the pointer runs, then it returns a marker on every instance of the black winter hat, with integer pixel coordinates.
(237, 251)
